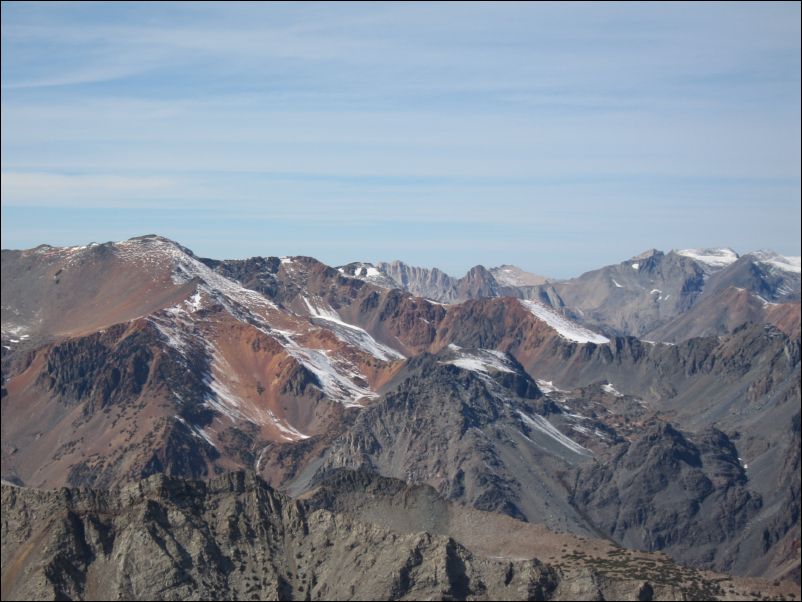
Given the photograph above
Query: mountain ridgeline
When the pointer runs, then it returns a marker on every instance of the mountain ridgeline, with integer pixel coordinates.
(263, 427)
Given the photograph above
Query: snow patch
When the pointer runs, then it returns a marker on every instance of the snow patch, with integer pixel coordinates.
(539, 423)
(616, 283)
(547, 386)
(763, 300)
(337, 377)
(480, 360)
(711, 258)
(564, 327)
(350, 334)
(779, 262)
(194, 302)
(608, 388)
(197, 432)
(288, 431)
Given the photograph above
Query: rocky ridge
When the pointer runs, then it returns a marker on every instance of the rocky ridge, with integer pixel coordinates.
(234, 537)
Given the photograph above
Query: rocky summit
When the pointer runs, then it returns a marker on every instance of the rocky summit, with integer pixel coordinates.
(179, 427)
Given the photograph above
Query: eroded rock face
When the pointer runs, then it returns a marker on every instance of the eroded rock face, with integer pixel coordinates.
(472, 435)
(234, 537)
(669, 492)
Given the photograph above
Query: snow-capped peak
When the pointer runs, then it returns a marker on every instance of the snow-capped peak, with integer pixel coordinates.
(369, 273)
(775, 260)
(712, 258)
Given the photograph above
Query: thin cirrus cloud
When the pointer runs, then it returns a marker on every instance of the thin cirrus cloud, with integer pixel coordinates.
(59, 190)
(475, 117)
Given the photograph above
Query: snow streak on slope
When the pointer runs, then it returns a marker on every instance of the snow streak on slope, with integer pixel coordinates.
(712, 258)
(350, 334)
(539, 423)
(339, 379)
(564, 327)
(479, 360)
(197, 432)
(185, 334)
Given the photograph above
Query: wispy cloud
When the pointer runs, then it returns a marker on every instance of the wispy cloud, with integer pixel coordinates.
(470, 117)
(53, 190)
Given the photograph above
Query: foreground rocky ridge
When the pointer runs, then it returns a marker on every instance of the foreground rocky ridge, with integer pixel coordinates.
(233, 537)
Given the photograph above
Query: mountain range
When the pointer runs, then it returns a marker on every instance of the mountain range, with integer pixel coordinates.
(259, 427)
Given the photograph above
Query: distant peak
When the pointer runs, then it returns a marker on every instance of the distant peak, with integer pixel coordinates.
(775, 260)
(478, 270)
(512, 275)
(712, 257)
(150, 239)
(646, 255)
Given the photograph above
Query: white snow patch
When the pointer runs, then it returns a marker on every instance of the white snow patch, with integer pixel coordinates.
(544, 426)
(14, 329)
(779, 262)
(711, 258)
(194, 302)
(635, 266)
(197, 431)
(564, 327)
(350, 334)
(337, 376)
(547, 386)
(608, 388)
(655, 291)
(261, 455)
(616, 283)
(763, 300)
(288, 431)
(480, 360)
(468, 363)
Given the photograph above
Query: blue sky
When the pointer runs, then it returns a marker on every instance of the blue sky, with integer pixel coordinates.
(559, 137)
